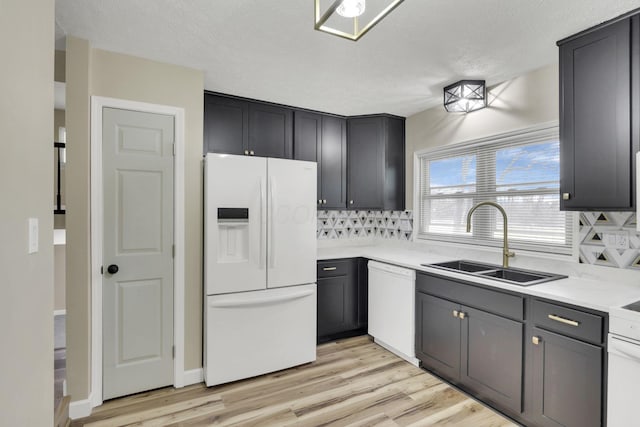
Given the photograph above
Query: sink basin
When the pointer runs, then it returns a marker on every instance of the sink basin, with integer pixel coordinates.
(514, 276)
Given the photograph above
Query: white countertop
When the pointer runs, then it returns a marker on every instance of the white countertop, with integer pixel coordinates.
(597, 294)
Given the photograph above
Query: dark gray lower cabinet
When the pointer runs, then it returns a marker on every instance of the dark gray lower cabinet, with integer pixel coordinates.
(438, 335)
(473, 348)
(551, 376)
(566, 381)
(341, 297)
(492, 352)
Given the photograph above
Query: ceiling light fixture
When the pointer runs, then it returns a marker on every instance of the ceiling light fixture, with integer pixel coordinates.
(351, 8)
(349, 14)
(465, 96)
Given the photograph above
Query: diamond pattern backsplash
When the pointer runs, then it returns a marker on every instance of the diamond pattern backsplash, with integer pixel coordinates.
(361, 224)
(596, 231)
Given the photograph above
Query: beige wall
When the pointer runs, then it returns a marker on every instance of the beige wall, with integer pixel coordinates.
(120, 76)
(515, 104)
(59, 260)
(26, 301)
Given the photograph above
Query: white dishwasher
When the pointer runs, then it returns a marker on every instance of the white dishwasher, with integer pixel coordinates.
(624, 366)
(392, 293)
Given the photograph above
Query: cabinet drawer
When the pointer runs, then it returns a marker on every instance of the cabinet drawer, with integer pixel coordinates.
(334, 268)
(474, 296)
(567, 321)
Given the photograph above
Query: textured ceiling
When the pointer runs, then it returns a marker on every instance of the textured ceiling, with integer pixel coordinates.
(268, 49)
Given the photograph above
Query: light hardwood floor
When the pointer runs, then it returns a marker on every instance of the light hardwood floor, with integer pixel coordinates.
(354, 382)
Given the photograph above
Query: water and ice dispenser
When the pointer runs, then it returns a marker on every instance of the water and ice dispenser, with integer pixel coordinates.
(233, 235)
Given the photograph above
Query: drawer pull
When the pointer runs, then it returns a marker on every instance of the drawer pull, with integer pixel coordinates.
(456, 313)
(563, 320)
(535, 340)
(462, 315)
(329, 268)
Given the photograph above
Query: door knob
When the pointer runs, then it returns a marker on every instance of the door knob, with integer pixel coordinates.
(112, 269)
(350, 202)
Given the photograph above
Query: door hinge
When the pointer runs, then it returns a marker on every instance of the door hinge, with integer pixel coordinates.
(174, 149)
(173, 251)
(102, 269)
(173, 352)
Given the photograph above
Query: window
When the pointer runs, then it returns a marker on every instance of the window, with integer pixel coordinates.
(520, 171)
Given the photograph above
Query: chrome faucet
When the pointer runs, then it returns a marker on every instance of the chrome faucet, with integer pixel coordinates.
(506, 254)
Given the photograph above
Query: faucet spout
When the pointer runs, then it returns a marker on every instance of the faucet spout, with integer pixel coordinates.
(506, 254)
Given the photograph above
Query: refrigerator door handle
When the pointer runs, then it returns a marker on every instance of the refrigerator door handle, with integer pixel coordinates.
(263, 244)
(272, 222)
(238, 302)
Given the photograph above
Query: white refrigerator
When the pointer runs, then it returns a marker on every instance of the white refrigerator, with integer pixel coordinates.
(260, 266)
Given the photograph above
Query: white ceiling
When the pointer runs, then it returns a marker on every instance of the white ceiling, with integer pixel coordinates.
(268, 49)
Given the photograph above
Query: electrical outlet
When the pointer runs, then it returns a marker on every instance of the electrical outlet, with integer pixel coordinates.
(33, 235)
(616, 239)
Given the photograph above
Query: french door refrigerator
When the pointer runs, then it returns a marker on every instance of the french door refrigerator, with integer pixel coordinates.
(260, 266)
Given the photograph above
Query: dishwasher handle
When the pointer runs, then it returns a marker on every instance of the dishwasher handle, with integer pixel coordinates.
(398, 271)
(624, 348)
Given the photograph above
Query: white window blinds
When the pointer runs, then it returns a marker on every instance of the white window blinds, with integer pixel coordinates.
(520, 171)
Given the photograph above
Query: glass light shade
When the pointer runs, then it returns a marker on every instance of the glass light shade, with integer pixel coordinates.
(351, 8)
(465, 96)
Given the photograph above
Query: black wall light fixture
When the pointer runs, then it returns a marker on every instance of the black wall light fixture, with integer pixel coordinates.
(465, 96)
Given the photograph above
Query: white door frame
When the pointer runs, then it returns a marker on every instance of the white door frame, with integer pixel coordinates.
(97, 104)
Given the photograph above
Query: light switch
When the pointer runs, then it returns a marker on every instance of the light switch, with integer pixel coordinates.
(33, 235)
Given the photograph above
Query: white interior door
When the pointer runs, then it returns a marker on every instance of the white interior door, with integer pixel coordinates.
(235, 229)
(291, 233)
(137, 160)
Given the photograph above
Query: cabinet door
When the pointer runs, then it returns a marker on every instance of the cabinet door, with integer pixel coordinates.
(337, 304)
(595, 119)
(333, 163)
(567, 381)
(438, 335)
(363, 292)
(226, 123)
(366, 163)
(270, 131)
(394, 176)
(307, 137)
(492, 349)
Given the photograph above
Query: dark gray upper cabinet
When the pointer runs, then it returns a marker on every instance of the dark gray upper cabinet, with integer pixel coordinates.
(599, 90)
(567, 381)
(271, 131)
(238, 126)
(226, 125)
(376, 163)
(323, 139)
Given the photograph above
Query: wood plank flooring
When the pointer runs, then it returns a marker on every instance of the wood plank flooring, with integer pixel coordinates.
(354, 382)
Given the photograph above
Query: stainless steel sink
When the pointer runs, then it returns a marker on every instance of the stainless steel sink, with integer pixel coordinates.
(514, 276)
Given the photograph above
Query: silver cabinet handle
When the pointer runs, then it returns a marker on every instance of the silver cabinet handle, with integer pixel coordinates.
(319, 202)
(563, 320)
(246, 152)
(251, 152)
(329, 268)
(535, 340)
(462, 315)
(324, 201)
(566, 196)
(350, 202)
(456, 313)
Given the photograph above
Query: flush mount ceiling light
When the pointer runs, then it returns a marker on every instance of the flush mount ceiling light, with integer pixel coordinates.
(465, 96)
(351, 19)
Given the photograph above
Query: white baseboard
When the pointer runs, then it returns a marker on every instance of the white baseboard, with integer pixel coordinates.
(62, 312)
(193, 376)
(80, 408)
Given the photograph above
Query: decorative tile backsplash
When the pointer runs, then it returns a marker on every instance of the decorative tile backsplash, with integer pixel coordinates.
(361, 224)
(599, 234)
